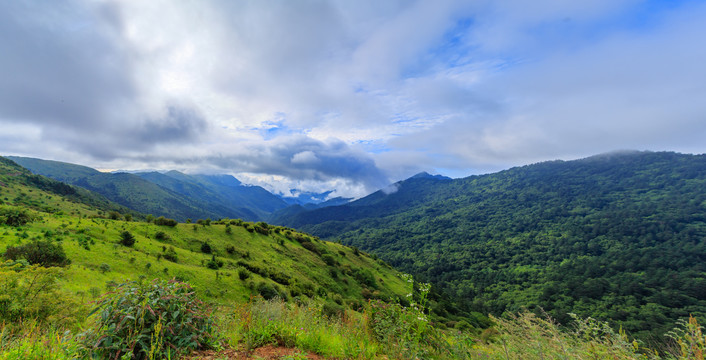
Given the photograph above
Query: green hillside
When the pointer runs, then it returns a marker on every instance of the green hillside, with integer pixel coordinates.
(619, 237)
(172, 194)
(223, 194)
(20, 187)
(251, 257)
(125, 189)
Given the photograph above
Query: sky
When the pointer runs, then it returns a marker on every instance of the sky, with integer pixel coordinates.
(348, 95)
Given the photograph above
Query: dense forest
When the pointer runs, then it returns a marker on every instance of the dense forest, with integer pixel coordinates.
(619, 237)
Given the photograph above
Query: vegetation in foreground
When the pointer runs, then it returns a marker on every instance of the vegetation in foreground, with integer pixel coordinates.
(163, 320)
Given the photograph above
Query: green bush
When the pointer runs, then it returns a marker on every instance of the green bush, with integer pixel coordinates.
(243, 274)
(206, 248)
(32, 293)
(267, 291)
(127, 239)
(332, 310)
(14, 216)
(171, 255)
(165, 221)
(160, 320)
(39, 252)
(161, 236)
(214, 263)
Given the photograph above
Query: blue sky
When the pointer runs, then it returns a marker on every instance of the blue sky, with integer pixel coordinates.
(348, 95)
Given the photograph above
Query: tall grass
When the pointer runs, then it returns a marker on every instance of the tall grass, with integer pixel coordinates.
(301, 325)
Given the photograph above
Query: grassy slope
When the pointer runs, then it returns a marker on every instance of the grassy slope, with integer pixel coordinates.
(91, 241)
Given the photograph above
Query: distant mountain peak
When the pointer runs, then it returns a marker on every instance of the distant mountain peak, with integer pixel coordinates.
(426, 175)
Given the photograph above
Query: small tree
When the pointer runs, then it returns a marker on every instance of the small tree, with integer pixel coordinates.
(40, 252)
(127, 239)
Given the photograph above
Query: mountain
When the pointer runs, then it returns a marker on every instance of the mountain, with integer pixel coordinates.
(313, 200)
(128, 190)
(617, 236)
(19, 187)
(223, 194)
(172, 194)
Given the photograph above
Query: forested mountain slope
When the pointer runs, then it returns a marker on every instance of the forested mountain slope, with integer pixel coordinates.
(173, 194)
(620, 236)
(223, 194)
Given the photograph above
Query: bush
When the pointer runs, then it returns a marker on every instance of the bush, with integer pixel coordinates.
(32, 293)
(171, 255)
(104, 268)
(243, 274)
(206, 248)
(161, 236)
(311, 247)
(165, 221)
(126, 239)
(39, 252)
(267, 291)
(214, 263)
(166, 320)
(13, 216)
(329, 260)
(332, 310)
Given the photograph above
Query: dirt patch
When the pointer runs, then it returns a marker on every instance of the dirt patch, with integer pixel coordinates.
(268, 352)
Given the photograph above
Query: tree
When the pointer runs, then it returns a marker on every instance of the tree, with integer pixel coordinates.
(127, 239)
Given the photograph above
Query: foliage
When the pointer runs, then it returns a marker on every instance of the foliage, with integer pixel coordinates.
(157, 320)
(206, 248)
(165, 221)
(610, 237)
(161, 236)
(31, 293)
(214, 263)
(127, 239)
(14, 216)
(171, 254)
(39, 252)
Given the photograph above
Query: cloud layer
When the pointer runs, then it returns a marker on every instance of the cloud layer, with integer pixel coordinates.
(348, 95)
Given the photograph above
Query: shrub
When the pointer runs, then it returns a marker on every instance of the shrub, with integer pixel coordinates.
(32, 292)
(161, 236)
(171, 255)
(167, 320)
(329, 260)
(127, 239)
(39, 252)
(267, 291)
(165, 221)
(332, 310)
(214, 263)
(104, 268)
(13, 216)
(243, 274)
(311, 247)
(206, 248)
(279, 277)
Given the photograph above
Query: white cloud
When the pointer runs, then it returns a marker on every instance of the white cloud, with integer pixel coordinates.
(348, 94)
